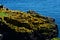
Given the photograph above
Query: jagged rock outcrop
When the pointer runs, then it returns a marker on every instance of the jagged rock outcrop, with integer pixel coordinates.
(17, 25)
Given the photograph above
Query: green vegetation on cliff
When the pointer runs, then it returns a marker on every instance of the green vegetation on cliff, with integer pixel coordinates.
(2, 14)
(55, 39)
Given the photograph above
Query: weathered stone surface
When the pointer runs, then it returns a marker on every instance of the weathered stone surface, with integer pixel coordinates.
(17, 25)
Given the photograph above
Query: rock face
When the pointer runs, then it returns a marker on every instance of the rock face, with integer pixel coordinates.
(17, 25)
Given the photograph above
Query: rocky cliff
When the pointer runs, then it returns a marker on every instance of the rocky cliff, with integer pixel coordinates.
(17, 25)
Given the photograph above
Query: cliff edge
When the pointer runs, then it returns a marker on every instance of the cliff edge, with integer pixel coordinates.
(17, 25)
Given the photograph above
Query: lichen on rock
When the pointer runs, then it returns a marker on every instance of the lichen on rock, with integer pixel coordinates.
(28, 23)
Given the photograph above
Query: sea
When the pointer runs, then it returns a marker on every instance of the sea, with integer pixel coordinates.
(49, 8)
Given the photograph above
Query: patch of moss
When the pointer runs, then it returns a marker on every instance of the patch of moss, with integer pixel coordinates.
(55, 39)
(2, 14)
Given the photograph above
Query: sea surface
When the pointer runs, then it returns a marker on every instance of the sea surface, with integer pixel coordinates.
(50, 8)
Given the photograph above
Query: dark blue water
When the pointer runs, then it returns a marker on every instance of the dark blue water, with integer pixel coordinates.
(49, 8)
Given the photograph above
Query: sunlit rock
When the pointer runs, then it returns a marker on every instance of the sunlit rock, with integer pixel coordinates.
(17, 25)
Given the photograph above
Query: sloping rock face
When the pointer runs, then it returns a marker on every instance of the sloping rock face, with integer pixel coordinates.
(17, 25)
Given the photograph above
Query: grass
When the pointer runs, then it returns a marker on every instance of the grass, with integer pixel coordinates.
(2, 14)
(55, 39)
